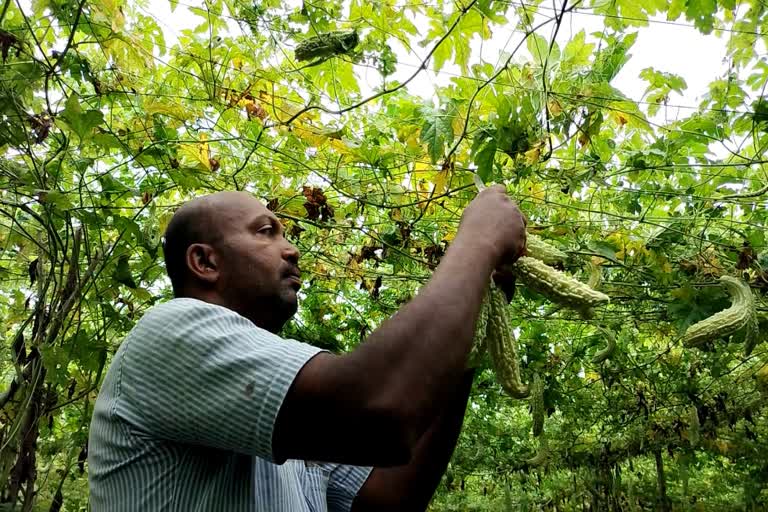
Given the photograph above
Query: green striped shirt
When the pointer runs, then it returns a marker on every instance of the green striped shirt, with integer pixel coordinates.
(185, 416)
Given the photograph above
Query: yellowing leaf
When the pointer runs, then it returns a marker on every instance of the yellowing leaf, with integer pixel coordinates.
(128, 52)
(166, 108)
(536, 190)
(591, 376)
(723, 446)
(108, 11)
(441, 181)
(458, 123)
(421, 171)
(198, 153)
(412, 142)
(620, 118)
(555, 108)
(339, 146)
(309, 134)
(532, 155)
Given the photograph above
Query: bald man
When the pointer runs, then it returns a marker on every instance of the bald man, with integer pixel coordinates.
(205, 408)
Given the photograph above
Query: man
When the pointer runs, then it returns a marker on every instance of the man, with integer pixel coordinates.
(204, 408)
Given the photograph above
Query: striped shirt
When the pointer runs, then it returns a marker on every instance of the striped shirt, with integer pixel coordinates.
(184, 421)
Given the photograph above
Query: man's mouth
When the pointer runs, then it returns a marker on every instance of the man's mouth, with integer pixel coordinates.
(295, 277)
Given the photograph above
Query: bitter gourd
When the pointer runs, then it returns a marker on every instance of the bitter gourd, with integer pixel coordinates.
(537, 404)
(479, 342)
(503, 347)
(725, 322)
(326, 45)
(595, 276)
(609, 349)
(556, 286)
(694, 428)
(537, 248)
(751, 333)
(541, 456)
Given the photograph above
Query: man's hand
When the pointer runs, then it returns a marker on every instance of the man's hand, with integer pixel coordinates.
(494, 220)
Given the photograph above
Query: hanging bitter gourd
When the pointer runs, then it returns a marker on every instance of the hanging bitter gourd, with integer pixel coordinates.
(537, 404)
(537, 248)
(534, 272)
(694, 428)
(326, 45)
(541, 456)
(728, 321)
(609, 349)
(503, 347)
(556, 286)
(595, 276)
(479, 343)
(751, 333)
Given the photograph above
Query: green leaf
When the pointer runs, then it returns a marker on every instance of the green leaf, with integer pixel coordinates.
(610, 60)
(605, 249)
(484, 159)
(538, 47)
(122, 273)
(676, 9)
(577, 52)
(79, 121)
(58, 199)
(702, 13)
(663, 80)
(437, 130)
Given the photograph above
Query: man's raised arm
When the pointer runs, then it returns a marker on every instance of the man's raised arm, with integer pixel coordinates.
(372, 406)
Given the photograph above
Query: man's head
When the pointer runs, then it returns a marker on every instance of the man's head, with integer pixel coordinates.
(228, 249)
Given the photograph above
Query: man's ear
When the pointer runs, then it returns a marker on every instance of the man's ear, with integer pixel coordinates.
(202, 262)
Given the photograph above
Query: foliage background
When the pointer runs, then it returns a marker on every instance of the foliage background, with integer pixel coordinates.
(105, 128)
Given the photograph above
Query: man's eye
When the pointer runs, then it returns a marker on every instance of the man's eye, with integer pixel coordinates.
(266, 229)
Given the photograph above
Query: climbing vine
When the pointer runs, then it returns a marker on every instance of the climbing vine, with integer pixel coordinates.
(107, 124)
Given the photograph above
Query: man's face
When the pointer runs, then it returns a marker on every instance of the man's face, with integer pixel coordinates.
(259, 271)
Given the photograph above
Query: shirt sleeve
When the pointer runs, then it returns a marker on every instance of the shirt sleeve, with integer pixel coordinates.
(344, 483)
(202, 374)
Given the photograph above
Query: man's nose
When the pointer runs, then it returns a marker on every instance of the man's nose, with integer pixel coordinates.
(291, 253)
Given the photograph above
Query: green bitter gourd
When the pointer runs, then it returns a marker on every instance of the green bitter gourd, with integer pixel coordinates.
(728, 321)
(537, 404)
(503, 347)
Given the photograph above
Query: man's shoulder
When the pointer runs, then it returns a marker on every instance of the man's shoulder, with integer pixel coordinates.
(182, 311)
(196, 319)
(177, 318)
(182, 304)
